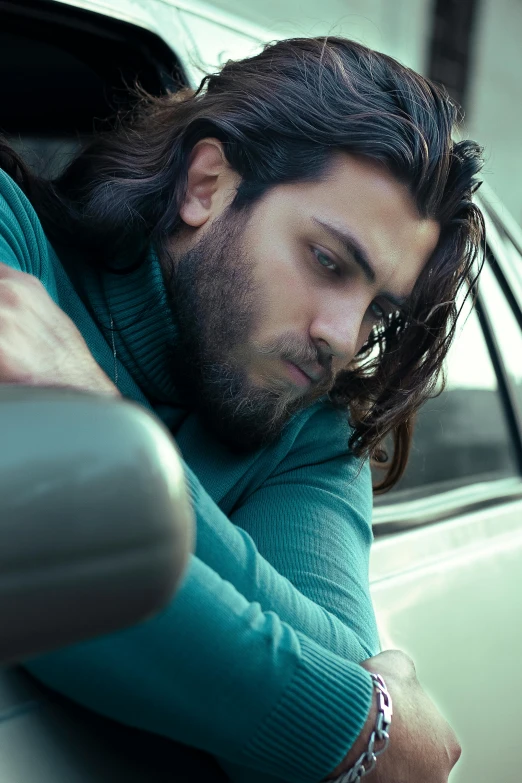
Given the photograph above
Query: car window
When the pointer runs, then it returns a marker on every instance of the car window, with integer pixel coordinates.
(61, 76)
(461, 436)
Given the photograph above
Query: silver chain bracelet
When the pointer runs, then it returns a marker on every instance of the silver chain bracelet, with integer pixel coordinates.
(379, 739)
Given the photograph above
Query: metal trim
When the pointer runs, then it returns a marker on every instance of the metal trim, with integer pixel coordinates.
(490, 203)
(509, 278)
(410, 514)
(505, 386)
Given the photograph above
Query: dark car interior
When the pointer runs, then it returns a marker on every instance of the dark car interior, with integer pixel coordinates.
(64, 72)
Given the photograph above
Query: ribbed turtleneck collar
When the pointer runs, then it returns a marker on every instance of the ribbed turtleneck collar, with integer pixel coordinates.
(143, 327)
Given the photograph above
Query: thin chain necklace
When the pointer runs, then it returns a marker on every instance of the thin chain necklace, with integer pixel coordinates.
(114, 352)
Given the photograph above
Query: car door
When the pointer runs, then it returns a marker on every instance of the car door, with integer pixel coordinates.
(446, 569)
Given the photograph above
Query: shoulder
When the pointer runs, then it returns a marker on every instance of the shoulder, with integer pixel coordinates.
(315, 449)
(320, 433)
(23, 244)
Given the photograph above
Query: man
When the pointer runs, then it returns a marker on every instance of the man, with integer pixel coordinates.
(271, 265)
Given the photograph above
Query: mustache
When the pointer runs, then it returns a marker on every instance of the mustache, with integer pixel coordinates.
(303, 354)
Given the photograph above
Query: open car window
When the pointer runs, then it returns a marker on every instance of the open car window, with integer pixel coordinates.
(462, 435)
(65, 71)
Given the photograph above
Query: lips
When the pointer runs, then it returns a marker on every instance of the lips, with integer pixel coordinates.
(297, 375)
(313, 372)
(304, 375)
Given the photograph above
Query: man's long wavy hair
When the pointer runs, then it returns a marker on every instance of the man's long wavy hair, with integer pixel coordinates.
(280, 116)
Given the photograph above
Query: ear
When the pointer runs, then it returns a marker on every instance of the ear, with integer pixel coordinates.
(211, 183)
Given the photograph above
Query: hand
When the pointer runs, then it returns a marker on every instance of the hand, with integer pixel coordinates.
(423, 746)
(39, 344)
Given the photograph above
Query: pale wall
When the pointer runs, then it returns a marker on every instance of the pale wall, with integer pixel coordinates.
(397, 27)
(495, 98)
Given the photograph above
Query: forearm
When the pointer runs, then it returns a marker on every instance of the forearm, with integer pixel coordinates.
(231, 552)
(241, 774)
(215, 672)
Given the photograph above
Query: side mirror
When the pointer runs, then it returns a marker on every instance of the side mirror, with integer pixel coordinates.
(96, 526)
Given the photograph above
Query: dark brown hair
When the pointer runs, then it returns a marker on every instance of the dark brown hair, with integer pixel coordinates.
(280, 116)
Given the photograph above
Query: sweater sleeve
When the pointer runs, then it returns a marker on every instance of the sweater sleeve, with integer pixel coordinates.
(311, 519)
(23, 244)
(298, 541)
(216, 672)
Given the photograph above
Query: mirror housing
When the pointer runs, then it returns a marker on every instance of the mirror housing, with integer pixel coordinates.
(96, 526)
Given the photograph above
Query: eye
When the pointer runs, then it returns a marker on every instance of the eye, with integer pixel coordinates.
(378, 312)
(326, 261)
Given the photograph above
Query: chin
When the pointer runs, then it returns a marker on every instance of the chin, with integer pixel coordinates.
(245, 428)
(244, 412)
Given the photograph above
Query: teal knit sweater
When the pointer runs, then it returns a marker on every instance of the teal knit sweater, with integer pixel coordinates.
(255, 658)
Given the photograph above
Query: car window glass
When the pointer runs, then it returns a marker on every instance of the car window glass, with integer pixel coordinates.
(462, 435)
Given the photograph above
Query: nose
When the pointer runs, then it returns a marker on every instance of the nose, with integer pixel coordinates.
(341, 330)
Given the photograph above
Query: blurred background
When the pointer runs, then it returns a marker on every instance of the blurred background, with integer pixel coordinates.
(472, 46)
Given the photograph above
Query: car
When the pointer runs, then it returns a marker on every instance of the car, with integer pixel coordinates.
(446, 565)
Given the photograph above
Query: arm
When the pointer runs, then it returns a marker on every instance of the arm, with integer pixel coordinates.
(215, 672)
(298, 535)
(309, 519)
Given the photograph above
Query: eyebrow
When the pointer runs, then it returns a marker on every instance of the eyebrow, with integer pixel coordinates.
(353, 247)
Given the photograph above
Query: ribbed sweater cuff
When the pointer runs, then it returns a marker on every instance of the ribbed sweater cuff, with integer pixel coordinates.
(317, 720)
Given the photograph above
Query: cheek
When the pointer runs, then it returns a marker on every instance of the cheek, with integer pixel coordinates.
(281, 299)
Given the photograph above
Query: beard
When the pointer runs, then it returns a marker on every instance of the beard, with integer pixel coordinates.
(216, 307)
